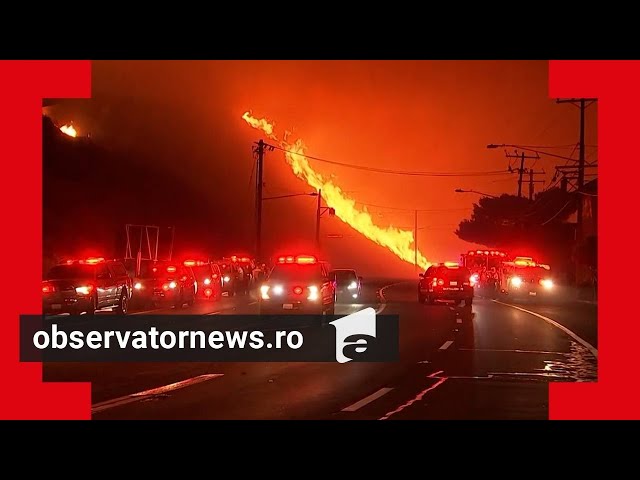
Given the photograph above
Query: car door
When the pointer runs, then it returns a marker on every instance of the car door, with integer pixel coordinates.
(120, 279)
(106, 286)
(327, 290)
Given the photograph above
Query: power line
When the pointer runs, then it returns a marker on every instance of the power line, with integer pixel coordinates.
(422, 210)
(559, 212)
(397, 172)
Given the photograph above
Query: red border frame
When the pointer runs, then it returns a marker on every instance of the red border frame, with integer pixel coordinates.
(26, 83)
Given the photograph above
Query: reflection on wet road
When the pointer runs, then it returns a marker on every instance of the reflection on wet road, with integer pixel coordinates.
(488, 362)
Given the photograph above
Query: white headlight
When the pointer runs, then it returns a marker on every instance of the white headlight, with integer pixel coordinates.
(313, 293)
(516, 282)
(137, 286)
(207, 281)
(264, 292)
(278, 289)
(353, 286)
(547, 283)
(226, 278)
(173, 285)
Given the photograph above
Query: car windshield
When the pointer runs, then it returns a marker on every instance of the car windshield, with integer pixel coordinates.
(296, 273)
(71, 271)
(345, 276)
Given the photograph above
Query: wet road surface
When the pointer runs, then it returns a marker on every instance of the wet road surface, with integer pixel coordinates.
(494, 361)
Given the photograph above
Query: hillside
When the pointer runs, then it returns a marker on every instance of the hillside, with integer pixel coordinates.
(90, 193)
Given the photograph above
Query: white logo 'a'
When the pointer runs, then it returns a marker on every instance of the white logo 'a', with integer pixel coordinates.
(361, 323)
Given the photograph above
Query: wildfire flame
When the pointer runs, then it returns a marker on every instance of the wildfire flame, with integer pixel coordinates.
(399, 241)
(69, 130)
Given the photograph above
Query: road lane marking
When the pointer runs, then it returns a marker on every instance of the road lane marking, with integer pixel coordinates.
(446, 345)
(146, 311)
(435, 374)
(214, 313)
(539, 352)
(584, 343)
(417, 398)
(367, 400)
(137, 397)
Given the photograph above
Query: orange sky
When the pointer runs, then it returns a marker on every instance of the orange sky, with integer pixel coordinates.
(413, 115)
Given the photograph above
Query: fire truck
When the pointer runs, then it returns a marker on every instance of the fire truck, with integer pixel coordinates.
(523, 277)
(487, 269)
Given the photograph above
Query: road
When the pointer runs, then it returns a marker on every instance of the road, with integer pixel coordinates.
(493, 362)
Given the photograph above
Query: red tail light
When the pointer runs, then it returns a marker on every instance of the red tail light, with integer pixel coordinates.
(48, 289)
(438, 281)
(298, 290)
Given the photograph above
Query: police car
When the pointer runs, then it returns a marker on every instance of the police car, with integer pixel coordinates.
(85, 286)
(298, 284)
(446, 282)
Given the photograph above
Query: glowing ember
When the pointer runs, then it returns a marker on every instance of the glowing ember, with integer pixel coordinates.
(400, 242)
(69, 130)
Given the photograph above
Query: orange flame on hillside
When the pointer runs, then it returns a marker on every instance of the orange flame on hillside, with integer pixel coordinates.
(69, 130)
(399, 241)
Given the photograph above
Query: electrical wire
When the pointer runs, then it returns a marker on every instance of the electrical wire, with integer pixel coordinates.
(559, 212)
(397, 172)
(421, 210)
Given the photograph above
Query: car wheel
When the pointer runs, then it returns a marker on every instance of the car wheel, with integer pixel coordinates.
(123, 304)
(94, 305)
(421, 298)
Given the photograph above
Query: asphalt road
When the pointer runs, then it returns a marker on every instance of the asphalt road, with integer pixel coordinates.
(493, 362)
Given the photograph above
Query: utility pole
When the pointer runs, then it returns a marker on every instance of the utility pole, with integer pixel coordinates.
(521, 171)
(259, 150)
(320, 210)
(532, 181)
(581, 103)
(415, 239)
(318, 216)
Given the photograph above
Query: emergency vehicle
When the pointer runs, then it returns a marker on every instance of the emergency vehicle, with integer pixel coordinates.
(486, 268)
(298, 284)
(208, 277)
(525, 278)
(86, 286)
(447, 281)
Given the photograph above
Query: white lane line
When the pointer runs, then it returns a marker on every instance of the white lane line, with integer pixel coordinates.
(446, 345)
(381, 290)
(214, 313)
(539, 352)
(367, 400)
(136, 397)
(435, 374)
(417, 398)
(146, 311)
(584, 343)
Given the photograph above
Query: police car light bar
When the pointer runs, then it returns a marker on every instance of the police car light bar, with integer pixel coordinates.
(300, 259)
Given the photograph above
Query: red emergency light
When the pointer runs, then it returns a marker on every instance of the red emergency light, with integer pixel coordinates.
(300, 259)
